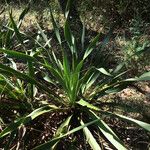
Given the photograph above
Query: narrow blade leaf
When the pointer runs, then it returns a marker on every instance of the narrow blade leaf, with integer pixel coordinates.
(28, 118)
(18, 55)
(49, 144)
(103, 71)
(90, 139)
(91, 46)
(108, 133)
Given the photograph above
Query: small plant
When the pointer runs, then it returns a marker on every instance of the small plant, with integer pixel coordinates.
(80, 84)
(136, 48)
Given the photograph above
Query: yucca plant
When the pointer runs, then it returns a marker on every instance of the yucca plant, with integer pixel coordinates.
(79, 85)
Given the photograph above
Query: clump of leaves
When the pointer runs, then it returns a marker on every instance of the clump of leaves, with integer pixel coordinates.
(136, 49)
(81, 87)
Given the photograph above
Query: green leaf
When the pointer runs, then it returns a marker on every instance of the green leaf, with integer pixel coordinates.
(140, 51)
(69, 38)
(83, 36)
(90, 139)
(88, 105)
(107, 131)
(62, 129)
(44, 36)
(118, 68)
(49, 144)
(66, 67)
(24, 12)
(11, 138)
(91, 80)
(120, 74)
(113, 90)
(84, 80)
(28, 118)
(9, 88)
(55, 26)
(42, 110)
(56, 73)
(67, 9)
(67, 33)
(17, 32)
(11, 72)
(142, 124)
(7, 38)
(145, 76)
(91, 46)
(22, 15)
(103, 71)
(48, 79)
(18, 55)
(31, 74)
(9, 91)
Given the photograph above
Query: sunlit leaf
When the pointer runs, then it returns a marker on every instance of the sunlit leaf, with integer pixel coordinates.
(49, 144)
(103, 71)
(28, 118)
(90, 138)
(108, 133)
